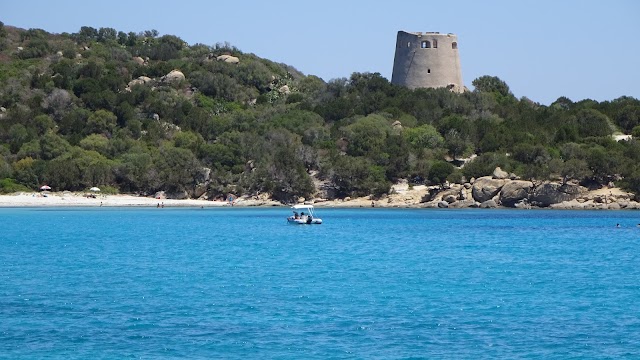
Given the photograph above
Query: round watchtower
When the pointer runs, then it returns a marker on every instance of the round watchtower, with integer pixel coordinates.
(427, 60)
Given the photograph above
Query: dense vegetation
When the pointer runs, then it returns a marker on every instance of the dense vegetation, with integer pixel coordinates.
(72, 118)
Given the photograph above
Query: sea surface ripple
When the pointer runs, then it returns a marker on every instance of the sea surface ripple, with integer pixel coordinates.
(105, 283)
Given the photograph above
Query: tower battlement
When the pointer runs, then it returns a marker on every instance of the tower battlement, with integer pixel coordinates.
(427, 60)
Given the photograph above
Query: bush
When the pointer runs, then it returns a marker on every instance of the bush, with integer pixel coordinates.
(8, 186)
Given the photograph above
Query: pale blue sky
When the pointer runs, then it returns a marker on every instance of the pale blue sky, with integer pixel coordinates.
(542, 49)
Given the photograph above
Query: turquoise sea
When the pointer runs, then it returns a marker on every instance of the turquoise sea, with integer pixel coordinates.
(230, 283)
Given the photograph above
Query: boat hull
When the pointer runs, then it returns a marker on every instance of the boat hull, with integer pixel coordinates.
(313, 221)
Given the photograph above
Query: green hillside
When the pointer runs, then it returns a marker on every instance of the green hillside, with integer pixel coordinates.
(141, 113)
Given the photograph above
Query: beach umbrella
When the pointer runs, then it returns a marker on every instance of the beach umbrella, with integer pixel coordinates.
(96, 189)
(45, 187)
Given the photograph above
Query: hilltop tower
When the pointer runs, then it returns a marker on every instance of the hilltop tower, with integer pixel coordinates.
(427, 60)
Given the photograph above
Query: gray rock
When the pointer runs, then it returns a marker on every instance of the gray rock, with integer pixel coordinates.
(550, 193)
(199, 190)
(633, 205)
(450, 199)
(463, 204)
(514, 191)
(284, 89)
(614, 206)
(485, 188)
(443, 204)
(173, 76)
(500, 174)
(228, 59)
(489, 204)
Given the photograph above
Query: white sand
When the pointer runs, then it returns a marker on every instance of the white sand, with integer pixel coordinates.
(78, 199)
(402, 197)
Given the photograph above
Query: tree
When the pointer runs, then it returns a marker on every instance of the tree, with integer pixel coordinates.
(25, 172)
(367, 135)
(628, 117)
(424, 137)
(134, 171)
(575, 169)
(53, 146)
(18, 135)
(456, 143)
(96, 142)
(591, 122)
(101, 122)
(439, 172)
(177, 169)
(357, 176)
(491, 84)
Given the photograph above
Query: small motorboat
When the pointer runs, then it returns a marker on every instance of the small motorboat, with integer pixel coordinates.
(303, 215)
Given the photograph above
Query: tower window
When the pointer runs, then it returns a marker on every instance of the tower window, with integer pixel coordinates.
(435, 43)
(409, 44)
(428, 71)
(425, 44)
(454, 45)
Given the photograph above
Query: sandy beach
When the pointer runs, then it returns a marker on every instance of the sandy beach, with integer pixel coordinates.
(62, 199)
(402, 196)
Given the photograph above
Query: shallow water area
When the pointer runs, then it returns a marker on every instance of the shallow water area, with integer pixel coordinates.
(367, 283)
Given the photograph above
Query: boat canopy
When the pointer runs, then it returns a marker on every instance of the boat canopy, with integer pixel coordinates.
(302, 207)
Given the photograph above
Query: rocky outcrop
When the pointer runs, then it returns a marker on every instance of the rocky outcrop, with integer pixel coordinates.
(485, 188)
(173, 76)
(498, 173)
(489, 204)
(228, 59)
(141, 80)
(284, 89)
(550, 193)
(514, 191)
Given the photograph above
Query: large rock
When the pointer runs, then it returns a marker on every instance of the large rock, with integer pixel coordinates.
(173, 76)
(464, 204)
(489, 204)
(514, 191)
(547, 194)
(485, 188)
(228, 59)
(450, 198)
(500, 174)
(284, 89)
(141, 80)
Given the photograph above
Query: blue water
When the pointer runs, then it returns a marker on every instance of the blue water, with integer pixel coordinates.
(228, 283)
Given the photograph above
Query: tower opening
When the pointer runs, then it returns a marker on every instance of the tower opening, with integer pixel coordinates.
(454, 45)
(428, 71)
(435, 43)
(425, 45)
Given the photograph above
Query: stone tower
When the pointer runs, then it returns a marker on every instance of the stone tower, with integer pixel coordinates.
(427, 60)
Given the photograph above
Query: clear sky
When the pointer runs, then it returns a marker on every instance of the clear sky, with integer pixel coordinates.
(543, 49)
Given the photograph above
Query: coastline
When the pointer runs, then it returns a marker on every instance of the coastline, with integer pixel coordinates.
(402, 196)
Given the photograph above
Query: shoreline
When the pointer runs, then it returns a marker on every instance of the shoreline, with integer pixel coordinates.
(403, 197)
